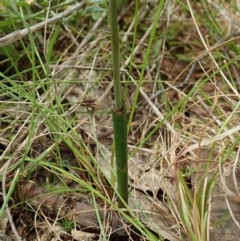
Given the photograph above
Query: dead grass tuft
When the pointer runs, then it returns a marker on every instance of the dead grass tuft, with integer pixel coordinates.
(183, 111)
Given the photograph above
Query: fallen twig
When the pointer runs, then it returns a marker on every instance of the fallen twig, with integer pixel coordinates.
(19, 34)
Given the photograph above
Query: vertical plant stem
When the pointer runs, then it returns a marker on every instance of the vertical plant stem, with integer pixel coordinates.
(120, 145)
(119, 112)
(115, 52)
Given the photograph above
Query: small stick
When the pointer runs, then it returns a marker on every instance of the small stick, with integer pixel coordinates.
(19, 34)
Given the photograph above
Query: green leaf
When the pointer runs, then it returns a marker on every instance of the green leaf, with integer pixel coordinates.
(9, 50)
(22, 4)
(52, 42)
(94, 9)
(6, 22)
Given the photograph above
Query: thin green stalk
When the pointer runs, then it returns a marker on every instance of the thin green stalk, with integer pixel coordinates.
(146, 59)
(119, 112)
(120, 145)
(9, 194)
(115, 52)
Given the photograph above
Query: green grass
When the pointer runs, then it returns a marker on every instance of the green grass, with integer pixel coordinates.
(181, 142)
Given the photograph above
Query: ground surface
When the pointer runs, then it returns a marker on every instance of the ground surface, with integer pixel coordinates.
(181, 85)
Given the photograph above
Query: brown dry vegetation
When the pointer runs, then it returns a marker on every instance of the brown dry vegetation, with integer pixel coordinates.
(183, 143)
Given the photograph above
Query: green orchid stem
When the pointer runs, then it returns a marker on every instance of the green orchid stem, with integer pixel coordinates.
(115, 52)
(119, 112)
(120, 146)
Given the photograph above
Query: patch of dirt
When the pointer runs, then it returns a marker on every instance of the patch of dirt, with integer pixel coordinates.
(72, 144)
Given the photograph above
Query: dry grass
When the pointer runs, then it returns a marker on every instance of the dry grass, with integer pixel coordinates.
(183, 110)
